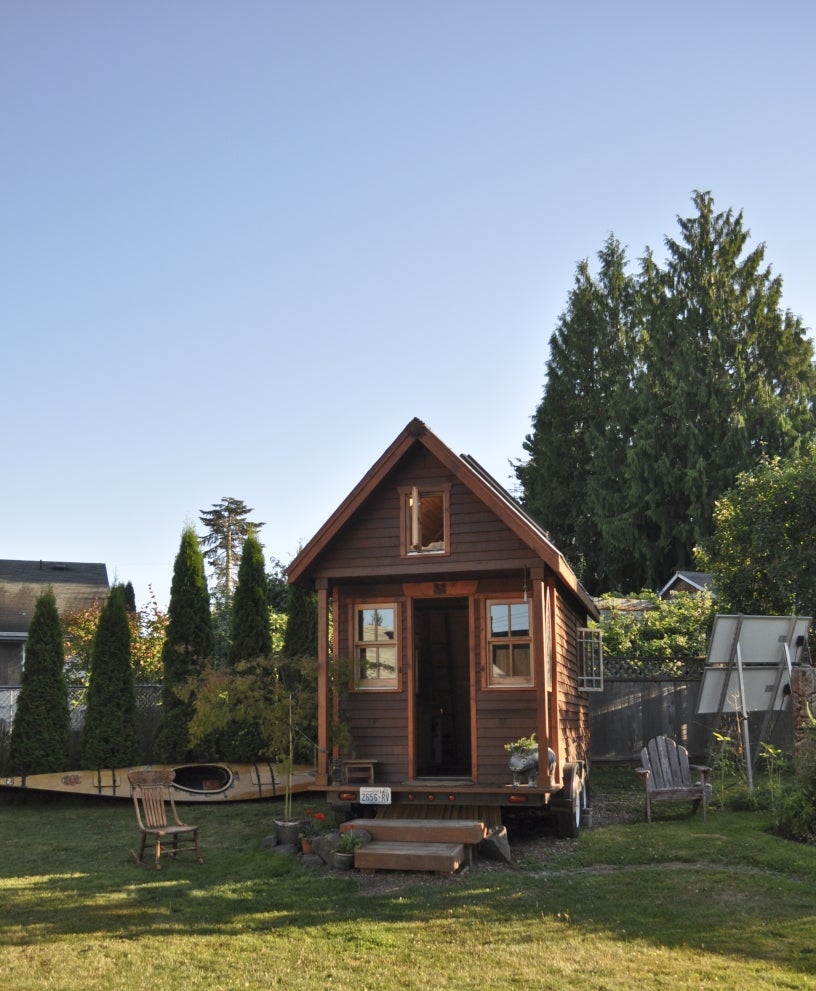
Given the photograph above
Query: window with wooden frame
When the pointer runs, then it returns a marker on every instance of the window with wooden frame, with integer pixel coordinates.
(375, 646)
(590, 660)
(425, 519)
(509, 644)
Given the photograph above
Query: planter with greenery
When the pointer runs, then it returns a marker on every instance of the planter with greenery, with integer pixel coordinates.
(344, 852)
(523, 759)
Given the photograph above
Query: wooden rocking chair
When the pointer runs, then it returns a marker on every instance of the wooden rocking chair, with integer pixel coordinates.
(151, 792)
(666, 775)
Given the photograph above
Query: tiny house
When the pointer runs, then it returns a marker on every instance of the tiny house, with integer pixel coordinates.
(449, 627)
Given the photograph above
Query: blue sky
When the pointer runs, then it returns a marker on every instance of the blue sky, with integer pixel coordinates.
(244, 243)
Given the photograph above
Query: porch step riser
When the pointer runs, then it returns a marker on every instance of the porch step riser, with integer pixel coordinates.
(443, 858)
(420, 830)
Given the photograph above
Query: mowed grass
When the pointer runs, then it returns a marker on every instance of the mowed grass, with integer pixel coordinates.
(679, 904)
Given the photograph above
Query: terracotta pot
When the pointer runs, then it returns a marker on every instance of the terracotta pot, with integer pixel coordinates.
(306, 844)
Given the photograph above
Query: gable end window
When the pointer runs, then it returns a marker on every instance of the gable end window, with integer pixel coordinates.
(375, 646)
(509, 645)
(590, 660)
(424, 524)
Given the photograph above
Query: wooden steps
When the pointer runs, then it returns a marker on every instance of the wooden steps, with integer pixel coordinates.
(381, 855)
(415, 844)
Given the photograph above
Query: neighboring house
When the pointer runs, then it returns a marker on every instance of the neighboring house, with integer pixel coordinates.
(75, 586)
(687, 581)
(464, 628)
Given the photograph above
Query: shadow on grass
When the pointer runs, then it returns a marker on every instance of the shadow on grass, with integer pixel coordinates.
(66, 871)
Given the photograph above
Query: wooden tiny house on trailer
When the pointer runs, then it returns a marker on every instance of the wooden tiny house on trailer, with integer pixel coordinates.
(460, 628)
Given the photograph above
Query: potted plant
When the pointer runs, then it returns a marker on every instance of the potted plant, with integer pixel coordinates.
(345, 849)
(523, 759)
(313, 827)
(288, 829)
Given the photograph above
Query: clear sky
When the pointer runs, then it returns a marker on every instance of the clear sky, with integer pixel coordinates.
(244, 243)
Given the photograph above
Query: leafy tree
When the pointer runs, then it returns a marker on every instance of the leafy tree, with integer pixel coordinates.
(147, 632)
(109, 737)
(762, 551)
(251, 634)
(667, 638)
(40, 737)
(187, 646)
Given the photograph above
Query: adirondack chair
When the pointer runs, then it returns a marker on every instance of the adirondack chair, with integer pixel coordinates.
(666, 775)
(152, 794)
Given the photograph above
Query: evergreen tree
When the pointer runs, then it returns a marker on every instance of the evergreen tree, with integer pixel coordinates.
(130, 597)
(227, 529)
(251, 633)
(660, 389)
(109, 737)
(577, 447)
(300, 639)
(227, 526)
(40, 735)
(725, 375)
(188, 645)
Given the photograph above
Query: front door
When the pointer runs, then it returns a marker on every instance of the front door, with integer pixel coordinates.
(442, 686)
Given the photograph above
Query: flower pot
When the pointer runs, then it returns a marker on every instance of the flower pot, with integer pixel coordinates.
(288, 830)
(306, 844)
(343, 861)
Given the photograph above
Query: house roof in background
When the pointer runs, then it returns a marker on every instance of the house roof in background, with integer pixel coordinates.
(76, 585)
(694, 579)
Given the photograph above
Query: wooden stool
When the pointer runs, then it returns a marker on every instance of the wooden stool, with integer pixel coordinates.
(359, 770)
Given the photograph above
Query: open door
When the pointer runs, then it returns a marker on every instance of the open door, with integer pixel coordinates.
(442, 686)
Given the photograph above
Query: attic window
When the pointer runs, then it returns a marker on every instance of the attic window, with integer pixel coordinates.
(425, 520)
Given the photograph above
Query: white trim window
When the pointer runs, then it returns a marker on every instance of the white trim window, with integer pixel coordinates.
(590, 660)
(375, 646)
(509, 644)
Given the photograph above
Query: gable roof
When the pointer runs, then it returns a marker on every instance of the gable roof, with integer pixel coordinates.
(471, 474)
(75, 587)
(696, 579)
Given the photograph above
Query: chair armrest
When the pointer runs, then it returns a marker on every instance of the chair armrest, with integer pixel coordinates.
(642, 772)
(701, 768)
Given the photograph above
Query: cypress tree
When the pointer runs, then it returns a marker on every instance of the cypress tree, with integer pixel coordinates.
(188, 644)
(109, 737)
(40, 736)
(251, 632)
(300, 639)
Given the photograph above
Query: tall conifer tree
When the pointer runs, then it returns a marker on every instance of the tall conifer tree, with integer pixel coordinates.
(660, 390)
(188, 644)
(40, 736)
(580, 426)
(109, 737)
(251, 632)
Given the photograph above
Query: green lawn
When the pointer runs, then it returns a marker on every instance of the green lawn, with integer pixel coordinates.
(679, 904)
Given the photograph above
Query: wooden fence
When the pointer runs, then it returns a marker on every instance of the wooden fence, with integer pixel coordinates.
(629, 712)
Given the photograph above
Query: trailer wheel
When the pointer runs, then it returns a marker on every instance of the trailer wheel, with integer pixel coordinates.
(572, 801)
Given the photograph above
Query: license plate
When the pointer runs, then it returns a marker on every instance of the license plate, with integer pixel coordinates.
(375, 796)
